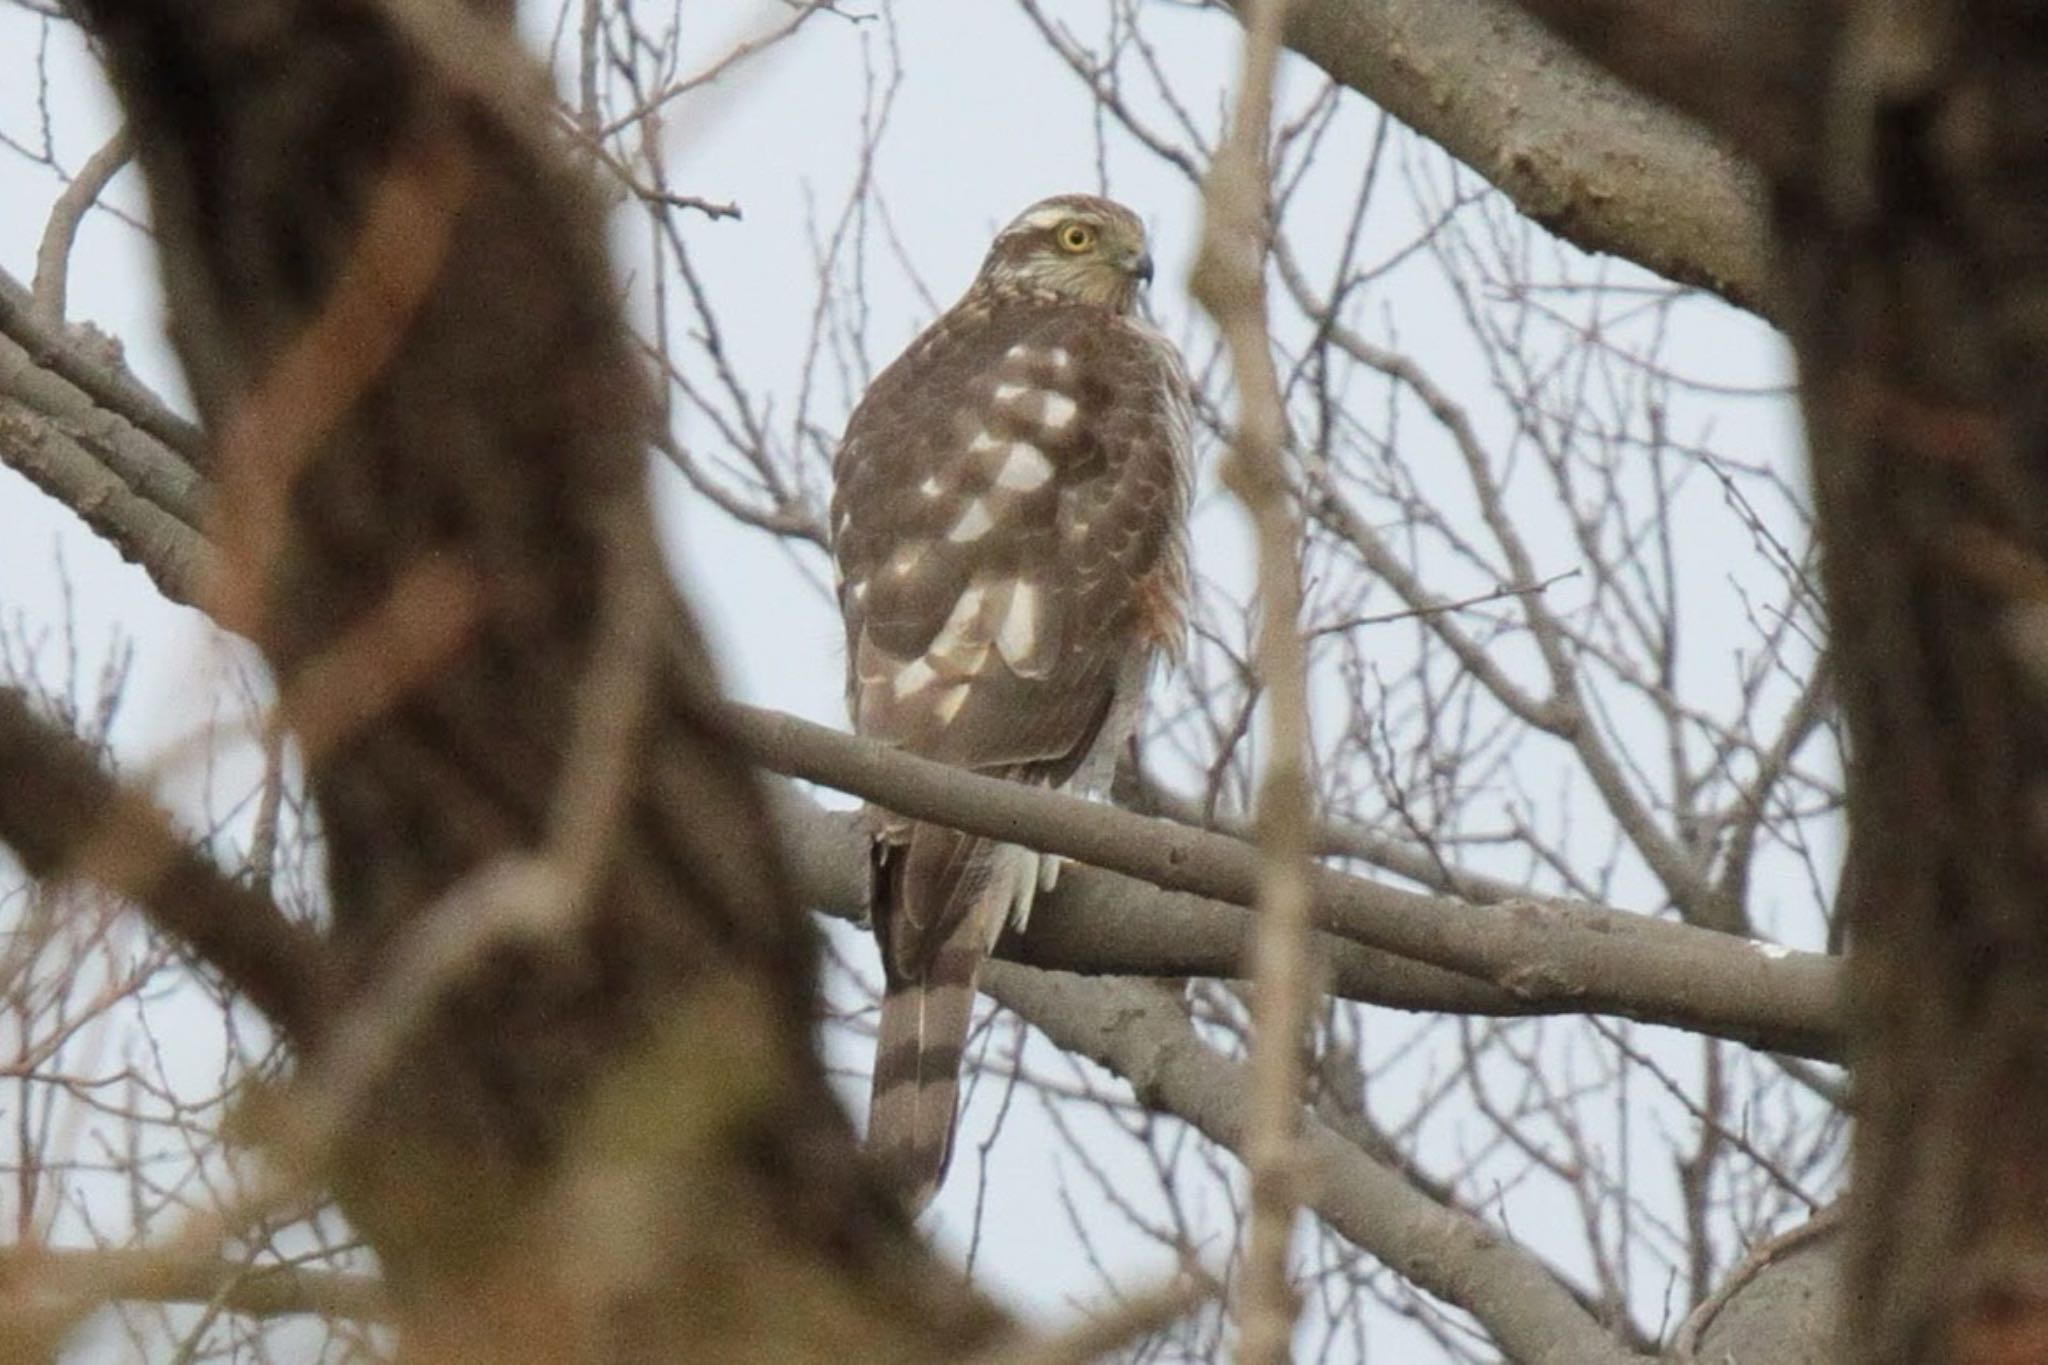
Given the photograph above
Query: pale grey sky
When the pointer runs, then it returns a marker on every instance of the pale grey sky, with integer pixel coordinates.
(986, 120)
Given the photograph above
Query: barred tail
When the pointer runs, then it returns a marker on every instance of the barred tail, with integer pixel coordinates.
(939, 899)
(917, 1080)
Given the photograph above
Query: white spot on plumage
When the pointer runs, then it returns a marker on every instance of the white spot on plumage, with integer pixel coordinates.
(905, 559)
(1021, 351)
(1010, 393)
(963, 635)
(950, 702)
(914, 676)
(974, 523)
(1026, 468)
(1018, 635)
(1061, 357)
(984, 441)
(858, 592)
(1057, 410)
(931, 487)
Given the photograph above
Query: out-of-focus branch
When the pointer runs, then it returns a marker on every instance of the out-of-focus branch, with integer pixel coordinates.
(1142, 1033)
(644, 1038)
(1229, 282)
(121, 1273)
(64, 815)
(1599, 165)
(1608, 961)
(1908, 173)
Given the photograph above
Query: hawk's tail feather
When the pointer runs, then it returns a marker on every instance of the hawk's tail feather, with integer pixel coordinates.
(917, 1081)
(956, 890)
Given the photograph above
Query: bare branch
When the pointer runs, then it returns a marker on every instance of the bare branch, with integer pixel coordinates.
(1230, 283)
(64, 816)
(1142, 1033)
(53, 255)
(1599, 165)
(110, 385)
(177, 558)
(1608, 960)
(177, 1277)
(1724, 62)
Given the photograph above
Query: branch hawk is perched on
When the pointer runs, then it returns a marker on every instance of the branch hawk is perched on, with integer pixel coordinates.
(1009, 527)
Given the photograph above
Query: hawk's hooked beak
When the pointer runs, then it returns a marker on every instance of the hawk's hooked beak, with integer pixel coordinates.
(1138, 265)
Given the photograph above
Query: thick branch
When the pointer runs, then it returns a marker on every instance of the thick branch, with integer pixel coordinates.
(1606, 961)
(177, 558)
(569, 990)
(1724, 62)
(1602, 167)
(1100, 923)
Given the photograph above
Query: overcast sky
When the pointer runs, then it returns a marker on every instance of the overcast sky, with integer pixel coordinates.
(985, 121)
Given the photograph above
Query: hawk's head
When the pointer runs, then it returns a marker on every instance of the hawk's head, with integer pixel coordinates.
(1075, 246)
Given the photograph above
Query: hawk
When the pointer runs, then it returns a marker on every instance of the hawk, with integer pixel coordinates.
(1009, 528)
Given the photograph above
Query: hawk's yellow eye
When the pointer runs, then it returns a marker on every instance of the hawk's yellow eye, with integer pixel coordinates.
(1076, 237)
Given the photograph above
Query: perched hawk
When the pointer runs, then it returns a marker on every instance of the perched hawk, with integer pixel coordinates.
(1009, 528)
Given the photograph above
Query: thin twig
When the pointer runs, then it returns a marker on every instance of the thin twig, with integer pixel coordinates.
(1135, 1316)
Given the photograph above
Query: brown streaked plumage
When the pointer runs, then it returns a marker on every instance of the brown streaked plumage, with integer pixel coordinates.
(1009, 529)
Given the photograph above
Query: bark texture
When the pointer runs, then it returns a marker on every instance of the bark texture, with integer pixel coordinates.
(569, 1092)
(1910, 191)
(1915, 246)
(1575, 149)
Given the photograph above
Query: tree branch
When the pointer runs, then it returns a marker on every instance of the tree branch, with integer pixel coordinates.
(110, 384)
(1724, 62)
(263, 1291)
(1605, 961)
(53, 253)
(1229, 281)
(176, 557)
(1602, 167)
(64, 815)
(1102, 923)
(1142, 1033)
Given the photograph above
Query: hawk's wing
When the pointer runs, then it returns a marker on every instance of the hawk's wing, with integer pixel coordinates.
(1007, 523)
(1007, 517)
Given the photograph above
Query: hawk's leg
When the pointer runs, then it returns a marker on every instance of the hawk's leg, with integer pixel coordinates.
(1037, 874)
